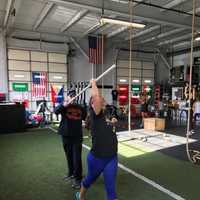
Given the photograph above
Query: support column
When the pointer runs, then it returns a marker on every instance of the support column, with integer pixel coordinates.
(3, 64)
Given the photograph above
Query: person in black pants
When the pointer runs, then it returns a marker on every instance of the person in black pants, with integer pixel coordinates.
(70, 130)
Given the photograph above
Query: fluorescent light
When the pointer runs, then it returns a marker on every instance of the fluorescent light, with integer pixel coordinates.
(147, 89)
(136, 81)
(120, 1)
(40, 76)
(198, 38)
(19, 76)
(105, 20)
(147, 81)
(58, 77)
(122, 80)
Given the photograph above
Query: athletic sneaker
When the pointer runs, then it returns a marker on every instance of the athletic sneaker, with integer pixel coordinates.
(77, 196)
(68, 177)
(76, 184)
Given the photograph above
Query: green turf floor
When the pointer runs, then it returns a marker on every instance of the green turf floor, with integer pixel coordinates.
(32, 165)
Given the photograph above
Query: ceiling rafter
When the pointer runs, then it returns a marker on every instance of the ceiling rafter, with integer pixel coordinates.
(144, 32)
(117, 31)
(47, 8)
(74, 20)
(96, 7)
(162, 35)
(8, 11)
(173, 4)
(177, 39)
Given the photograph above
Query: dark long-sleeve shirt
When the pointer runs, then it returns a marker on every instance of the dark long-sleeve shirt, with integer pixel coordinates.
(71, 122)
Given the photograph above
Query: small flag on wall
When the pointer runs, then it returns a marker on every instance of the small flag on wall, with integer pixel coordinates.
(95, 50)
(53, 95)
(57, 96)
(39, 84)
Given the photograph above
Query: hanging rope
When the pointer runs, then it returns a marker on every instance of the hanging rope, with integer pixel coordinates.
(195, 154)
(130, 63)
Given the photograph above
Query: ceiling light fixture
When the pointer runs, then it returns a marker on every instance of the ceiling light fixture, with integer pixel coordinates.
(58, 77)
(120, 1)
(19, 76)
(105, 20)
(122, 80)
(136, 81)
(197, 36)
(147, 81)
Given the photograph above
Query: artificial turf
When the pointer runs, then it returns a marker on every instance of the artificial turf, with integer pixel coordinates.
(32, 165)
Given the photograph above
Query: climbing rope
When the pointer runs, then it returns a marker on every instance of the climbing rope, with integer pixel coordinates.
(193, 155)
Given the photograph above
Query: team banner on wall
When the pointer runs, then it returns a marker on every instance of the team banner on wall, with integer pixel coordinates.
(57, 94)
(19, 96)
(39, 84)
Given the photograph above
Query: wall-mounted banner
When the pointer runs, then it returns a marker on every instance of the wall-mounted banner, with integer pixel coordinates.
(19, 96)
(39, 84)
(20, 87)
(57, 94)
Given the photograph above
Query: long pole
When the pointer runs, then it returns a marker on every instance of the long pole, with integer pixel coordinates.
(97, 79)
(190, 82)
(102, 62)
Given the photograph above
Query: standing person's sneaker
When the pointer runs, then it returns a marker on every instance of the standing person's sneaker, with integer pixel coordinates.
(76, 184)
(77, 196)
(68, 177)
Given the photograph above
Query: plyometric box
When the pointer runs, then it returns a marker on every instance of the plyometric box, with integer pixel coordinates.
(157, 124)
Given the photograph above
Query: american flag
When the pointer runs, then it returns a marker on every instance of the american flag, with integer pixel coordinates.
(95, 50)
(39, 84)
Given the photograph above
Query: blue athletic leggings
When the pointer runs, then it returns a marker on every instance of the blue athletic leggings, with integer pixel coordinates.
(109, 168)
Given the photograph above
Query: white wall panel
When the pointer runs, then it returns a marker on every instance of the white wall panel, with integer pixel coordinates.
(136, 72)
(148, 65)
(58, 58)
(55, 67)
(19, 76)
(139, 70)
(148, 73)
(18, 54)
(38, 56)
(18, 65)
(39, 66)
(125, 64)
(122, 72)
(57, 77)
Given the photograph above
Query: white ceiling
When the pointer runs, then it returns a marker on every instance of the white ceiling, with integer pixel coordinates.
(58, 20)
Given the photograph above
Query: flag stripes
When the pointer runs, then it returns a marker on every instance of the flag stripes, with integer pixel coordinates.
(39, 84)
(95, 50)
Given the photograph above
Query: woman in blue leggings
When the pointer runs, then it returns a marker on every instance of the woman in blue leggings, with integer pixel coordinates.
(102, 158)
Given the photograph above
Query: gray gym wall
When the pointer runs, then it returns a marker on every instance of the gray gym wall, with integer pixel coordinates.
(184, 59)
(3, 64)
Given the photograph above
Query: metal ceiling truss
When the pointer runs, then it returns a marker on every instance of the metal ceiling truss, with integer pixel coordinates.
(8, 12)
(74, 20)
(43, 14)
(177, 39)
(96, 7)
(162, 35)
